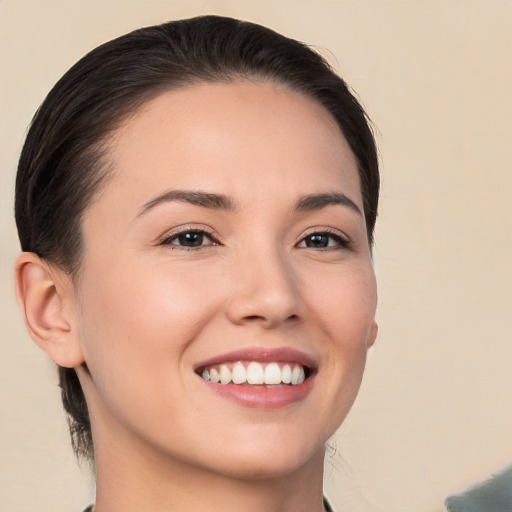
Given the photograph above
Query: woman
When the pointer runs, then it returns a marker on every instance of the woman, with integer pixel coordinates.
(196, 202)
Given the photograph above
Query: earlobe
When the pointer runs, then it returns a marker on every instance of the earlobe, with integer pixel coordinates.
(43, 295)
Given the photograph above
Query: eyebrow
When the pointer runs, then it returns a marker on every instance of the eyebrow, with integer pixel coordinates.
(215, 201)
(319, 201)
(204, 199)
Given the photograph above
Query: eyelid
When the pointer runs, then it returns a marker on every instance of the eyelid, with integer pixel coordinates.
(345, 240)
(197, 228)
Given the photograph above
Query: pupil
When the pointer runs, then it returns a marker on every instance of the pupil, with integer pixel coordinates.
(317, 241)
(191, 239)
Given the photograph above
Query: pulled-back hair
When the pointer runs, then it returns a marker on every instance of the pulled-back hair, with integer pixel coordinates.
(63, 164)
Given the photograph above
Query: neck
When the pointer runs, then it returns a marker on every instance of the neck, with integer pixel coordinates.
(142, 480)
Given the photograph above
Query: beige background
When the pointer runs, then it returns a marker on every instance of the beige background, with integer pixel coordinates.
(435, 410)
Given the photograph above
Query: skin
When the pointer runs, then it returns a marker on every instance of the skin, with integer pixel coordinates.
(148, 310)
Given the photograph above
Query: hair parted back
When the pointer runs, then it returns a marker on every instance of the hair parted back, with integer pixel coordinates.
(64, 162)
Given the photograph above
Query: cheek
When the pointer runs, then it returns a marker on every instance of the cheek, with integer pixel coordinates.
(139, 302)
(135, 331)
(345, 301)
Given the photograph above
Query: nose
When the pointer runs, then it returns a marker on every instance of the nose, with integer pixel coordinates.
(264, 291)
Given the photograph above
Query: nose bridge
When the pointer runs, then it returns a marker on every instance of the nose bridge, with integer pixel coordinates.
(264, 288)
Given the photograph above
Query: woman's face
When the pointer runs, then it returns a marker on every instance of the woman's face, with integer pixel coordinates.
(231, 241)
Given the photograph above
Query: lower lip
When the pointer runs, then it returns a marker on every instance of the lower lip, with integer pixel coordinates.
(263, 397)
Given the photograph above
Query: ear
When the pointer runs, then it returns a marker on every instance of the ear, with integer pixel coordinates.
(372, 336)
(45, 297)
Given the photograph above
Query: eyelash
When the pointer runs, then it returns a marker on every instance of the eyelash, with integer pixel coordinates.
(168, 239)
(340, 240)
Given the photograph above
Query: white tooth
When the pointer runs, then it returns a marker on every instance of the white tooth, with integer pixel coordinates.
(214, 375)
(302, 376)
(295, 374)
(286, 374)
(272, 374)
(239, 375)
(255, 373)
(225, 374)
(205, 375)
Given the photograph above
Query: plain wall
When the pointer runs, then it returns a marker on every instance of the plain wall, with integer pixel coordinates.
(434, 413)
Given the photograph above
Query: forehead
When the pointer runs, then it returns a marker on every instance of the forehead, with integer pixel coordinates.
(235, 137)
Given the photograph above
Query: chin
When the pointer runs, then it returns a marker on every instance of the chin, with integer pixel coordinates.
(274, 466)
(268, 459)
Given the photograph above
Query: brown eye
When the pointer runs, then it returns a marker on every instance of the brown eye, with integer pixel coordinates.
(323, 241)
(189, 239)
(192, 239)
(317, 241)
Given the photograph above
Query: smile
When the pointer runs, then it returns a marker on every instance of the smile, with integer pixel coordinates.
(260, 378)
(253, 373)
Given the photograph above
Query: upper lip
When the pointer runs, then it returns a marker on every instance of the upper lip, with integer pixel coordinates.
(262, 355)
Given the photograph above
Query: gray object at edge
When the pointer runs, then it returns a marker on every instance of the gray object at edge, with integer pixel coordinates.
(493, 495)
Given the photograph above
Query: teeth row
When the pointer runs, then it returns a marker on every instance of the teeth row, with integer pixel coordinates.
(255, 373)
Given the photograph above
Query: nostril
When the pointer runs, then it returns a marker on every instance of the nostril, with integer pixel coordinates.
(262, 318)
